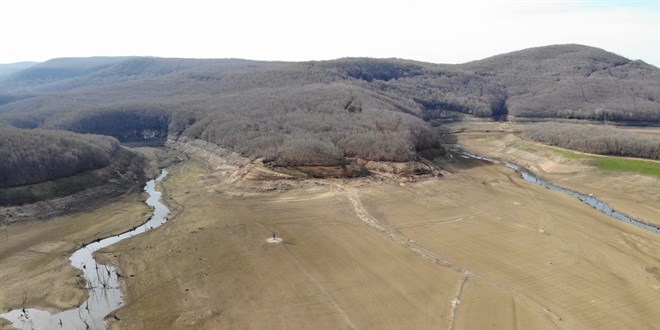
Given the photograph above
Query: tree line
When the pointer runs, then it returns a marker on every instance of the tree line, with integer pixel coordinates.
(596, 139)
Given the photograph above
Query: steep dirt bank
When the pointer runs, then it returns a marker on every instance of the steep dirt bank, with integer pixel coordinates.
(253, 175)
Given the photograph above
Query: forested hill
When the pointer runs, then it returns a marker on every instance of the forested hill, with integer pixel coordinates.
(61, 74)
(30, 156)
(323, 112)
(573, 81)
(8, 69)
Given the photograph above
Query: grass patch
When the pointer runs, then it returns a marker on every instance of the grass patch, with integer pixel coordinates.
(627, 165)
(612, 163)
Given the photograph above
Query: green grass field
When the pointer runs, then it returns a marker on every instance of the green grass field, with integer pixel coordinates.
(628, 165)
(611, 163)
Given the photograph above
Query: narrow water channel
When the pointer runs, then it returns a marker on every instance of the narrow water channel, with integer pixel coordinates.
(589, 200)
(101, 280)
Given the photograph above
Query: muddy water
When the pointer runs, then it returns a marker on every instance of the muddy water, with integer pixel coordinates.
(590, 200)
(101, 280)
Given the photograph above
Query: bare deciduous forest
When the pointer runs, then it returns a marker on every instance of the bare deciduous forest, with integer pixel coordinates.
(575, 82)
(30, 156)
(595, 139)
(319, 113)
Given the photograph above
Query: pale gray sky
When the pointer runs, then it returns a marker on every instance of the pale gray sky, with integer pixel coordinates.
(432, 31)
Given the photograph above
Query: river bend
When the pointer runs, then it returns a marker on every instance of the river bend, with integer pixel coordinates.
(101, 280)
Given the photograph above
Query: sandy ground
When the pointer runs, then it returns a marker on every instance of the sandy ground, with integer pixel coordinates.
(633, 194)
(533, 257)
(480, 249)
(477, 249)
(212, 267)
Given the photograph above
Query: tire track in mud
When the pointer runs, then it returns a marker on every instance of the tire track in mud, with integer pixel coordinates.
(322, 289)
(457, 300)
(367, 290)
(396, 236)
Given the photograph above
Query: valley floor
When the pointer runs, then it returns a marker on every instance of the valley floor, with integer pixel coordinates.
(479, 248)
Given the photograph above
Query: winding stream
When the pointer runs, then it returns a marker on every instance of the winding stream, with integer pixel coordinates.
(101, 280)
(590, 200)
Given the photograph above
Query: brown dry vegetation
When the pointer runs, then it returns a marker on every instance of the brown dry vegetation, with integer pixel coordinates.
(325, 111)
(603, 140)
(574, 81)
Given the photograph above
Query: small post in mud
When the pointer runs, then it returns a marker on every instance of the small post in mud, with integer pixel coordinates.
(273, 238)
(25, 297)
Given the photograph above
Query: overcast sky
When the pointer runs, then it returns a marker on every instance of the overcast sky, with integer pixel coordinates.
(432, 31)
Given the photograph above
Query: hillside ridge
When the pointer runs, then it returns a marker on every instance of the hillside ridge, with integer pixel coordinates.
(322, 113)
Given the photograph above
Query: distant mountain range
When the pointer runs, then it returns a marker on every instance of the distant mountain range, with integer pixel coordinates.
(563, 81)
(322, 112)
(8, 69)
